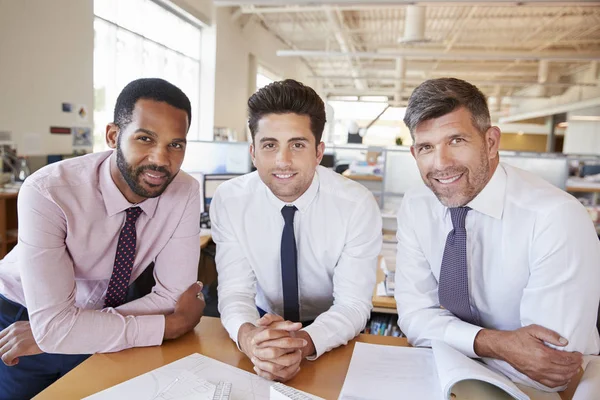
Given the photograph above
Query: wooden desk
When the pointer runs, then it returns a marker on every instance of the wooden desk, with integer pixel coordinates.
(205, 240)
(323, 377)
(383, 304)
(355, 177)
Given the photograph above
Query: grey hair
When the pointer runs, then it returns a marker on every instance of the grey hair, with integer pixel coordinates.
(435, 98)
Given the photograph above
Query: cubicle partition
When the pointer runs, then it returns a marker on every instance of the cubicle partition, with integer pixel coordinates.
(552, 167)
(400, 172)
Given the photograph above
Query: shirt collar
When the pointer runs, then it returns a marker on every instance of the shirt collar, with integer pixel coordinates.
(303, 202)
(114, 201)
(490, 201)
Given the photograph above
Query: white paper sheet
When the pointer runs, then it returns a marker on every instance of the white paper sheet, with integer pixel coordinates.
(379, 372)
(390, 372)
(589, 385)
(453, 367)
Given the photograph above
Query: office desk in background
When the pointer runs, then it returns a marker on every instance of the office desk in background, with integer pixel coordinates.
(8, 222)
(382, 304)
(205, 240)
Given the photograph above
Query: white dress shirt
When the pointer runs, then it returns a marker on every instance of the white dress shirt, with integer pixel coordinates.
(338, 237)
(533, 258)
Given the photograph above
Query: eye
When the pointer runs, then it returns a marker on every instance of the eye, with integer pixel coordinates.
(146, 139)
(456, 140)
(177, 145)
(268, 146)
(298, 145)
(425, 148)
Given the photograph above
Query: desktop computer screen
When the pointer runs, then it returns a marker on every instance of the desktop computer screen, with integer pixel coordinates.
(211, 183)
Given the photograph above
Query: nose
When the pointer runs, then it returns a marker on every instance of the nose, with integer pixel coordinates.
(159, 156)
(284, 158)
(442, 158)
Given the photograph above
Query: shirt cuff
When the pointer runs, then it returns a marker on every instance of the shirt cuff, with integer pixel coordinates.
(151, 330)
(234, 324)
(461, 336)
(318, 334)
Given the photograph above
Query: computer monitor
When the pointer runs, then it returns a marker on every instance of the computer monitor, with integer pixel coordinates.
(590, 170)
(211, 183)
(328, 160)
(217, 157)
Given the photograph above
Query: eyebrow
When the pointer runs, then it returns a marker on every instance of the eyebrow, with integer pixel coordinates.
(421, 144)
(146, 131)
(298, 139)
(268, 139)
(155, 135)
(294, 139)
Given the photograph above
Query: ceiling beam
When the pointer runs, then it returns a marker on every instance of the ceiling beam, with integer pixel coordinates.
(453, 55)
(283, 6)
(473, 81)
(552, 110)
(400, 78)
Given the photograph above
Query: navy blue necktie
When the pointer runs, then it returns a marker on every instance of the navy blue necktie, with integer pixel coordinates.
(453, 290)
(289, 266)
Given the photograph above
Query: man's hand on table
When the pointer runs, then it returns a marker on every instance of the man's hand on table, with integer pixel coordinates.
(525, 349)
(17, 341)
(187, 314)
(275, 347)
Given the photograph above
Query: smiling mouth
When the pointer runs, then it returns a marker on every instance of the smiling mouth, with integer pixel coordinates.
(449, 180)
(154, 178)
(284, 176)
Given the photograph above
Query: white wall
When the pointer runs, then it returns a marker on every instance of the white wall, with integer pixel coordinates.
(235, 45)
(46, 58)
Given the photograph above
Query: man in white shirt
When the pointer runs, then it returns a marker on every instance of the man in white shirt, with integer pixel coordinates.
(294, 239)
(511, 259)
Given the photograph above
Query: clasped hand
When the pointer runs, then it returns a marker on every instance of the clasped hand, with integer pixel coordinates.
(276, 347)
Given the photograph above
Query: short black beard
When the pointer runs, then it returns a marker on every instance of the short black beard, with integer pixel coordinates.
(132, 176)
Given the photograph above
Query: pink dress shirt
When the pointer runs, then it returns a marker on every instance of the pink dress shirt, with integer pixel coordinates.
(70, 216)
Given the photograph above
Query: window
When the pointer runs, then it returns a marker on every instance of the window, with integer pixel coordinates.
(141, 39)
(352, 114)
(264, 77)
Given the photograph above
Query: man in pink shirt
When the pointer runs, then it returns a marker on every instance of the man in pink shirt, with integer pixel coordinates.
(90, 229)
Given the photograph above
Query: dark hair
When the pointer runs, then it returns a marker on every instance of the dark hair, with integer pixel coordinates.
(152, 89)
(435, 98)
(288, 96)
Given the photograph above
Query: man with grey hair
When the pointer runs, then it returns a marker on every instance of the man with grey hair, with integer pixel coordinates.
(492, 260)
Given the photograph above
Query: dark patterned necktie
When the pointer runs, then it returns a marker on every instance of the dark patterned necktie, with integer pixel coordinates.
(119, 280)
(289, 266)
(453, 287)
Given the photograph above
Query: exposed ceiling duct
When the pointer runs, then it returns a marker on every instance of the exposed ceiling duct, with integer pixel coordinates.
(414, 25)
(536, 50)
